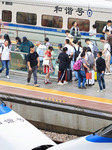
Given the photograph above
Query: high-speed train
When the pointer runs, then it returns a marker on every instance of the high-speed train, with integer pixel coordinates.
(100, 140)
(39, 18)
(18, 134)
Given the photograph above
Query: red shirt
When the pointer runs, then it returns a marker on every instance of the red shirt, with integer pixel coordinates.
(48, 54)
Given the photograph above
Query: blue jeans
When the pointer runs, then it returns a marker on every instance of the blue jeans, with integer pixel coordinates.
(111, 60)
(76, 75)
(5, 64)
(101, 81)
(81, 78)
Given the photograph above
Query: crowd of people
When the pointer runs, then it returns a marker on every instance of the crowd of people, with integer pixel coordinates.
(69, 56)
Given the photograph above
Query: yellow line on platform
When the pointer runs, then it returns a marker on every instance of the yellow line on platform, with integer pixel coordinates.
(55, 92)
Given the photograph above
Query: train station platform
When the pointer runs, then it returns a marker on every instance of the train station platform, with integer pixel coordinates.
(67, 98)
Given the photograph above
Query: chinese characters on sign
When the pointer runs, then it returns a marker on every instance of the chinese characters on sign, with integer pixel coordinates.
(12, 121)
(69, 10)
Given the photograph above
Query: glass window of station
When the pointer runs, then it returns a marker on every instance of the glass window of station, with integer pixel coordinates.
(83, 24)
(6, 15)
(52, 21)
(26, 18)
(100, 25)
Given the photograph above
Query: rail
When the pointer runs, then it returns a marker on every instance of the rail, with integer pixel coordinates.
(19, 59)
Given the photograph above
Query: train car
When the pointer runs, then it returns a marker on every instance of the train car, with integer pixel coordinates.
(18, 134)
(101, 139)
(40, 18)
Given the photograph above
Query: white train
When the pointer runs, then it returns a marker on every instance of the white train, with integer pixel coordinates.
(102, 139)
(18, 134)
(52, 17)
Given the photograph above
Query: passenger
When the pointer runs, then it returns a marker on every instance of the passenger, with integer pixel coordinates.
(100, 66)
(93, 34)
(109, 39)
(33, 63)
(6, 37)
(93, 47)
(69, 36)
(18, 43)
(25, 45)
(81, 72)
(5, 57)
(76, 54)
(107, 27)
(90, 59)
(107, 54)
(70, 51)
(47, 43)
(49, 67)
(80, 46)
(40, 50)
(74, 31)
(60, 48)
(63, 65)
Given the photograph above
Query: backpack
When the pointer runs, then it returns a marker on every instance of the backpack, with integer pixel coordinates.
(95, 50)
(90, 60)
(76, 53)
(77, 65)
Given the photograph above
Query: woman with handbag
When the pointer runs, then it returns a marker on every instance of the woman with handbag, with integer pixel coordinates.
(48, 66)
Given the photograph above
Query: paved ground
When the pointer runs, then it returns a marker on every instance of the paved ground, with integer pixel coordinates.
(71, 87)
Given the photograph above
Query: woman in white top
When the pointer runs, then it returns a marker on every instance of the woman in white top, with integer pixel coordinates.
(93, 33)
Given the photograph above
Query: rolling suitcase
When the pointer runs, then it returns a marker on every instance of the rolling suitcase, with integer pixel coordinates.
(69, 75)
(90, 78)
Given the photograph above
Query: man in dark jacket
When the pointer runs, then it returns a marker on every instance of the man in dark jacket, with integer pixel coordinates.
(100, 66)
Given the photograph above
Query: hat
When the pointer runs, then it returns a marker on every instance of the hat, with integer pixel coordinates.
(60, 45)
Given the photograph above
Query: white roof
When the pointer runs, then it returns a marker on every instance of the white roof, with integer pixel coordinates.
(81, 3)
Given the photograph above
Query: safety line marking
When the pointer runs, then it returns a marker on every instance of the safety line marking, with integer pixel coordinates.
(58, 93)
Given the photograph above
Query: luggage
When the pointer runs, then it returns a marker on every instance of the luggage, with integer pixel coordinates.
(90, 78)
(95, 76)
(69, 74)
(59, 74)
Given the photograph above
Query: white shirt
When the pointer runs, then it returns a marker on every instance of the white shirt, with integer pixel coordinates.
(107, 46)
(92, 33)
(5, 53)
(91, 47)
(70, 49)
(40, 50)
(109, 28)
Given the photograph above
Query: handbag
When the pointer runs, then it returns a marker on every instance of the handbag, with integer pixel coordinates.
(45, 61)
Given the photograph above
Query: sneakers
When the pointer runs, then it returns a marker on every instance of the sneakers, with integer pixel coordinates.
(27, 83)
(99, 91)
(60, 83)
(65, 82)
(8, 77)
(49, 82)
(45, 82)
(36, 85)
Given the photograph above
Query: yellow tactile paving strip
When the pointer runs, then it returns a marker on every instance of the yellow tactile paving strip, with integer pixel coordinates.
(55, 92)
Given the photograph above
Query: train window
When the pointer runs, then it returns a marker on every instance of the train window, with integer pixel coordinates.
(100, 26)
(26, 18)
(6, 15)
(52, 21)
(83, 24)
